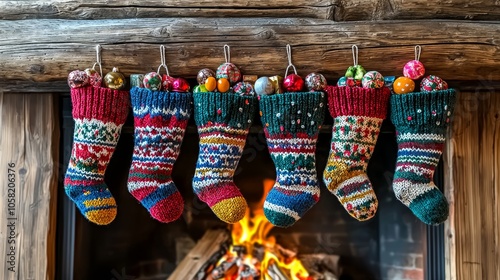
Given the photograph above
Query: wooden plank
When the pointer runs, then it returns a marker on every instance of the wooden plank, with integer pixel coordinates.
(454, 50)
(466, 178)
(26, 141)
(416, 9)
(104, 9)
(338, 10)
(449, 192)
(211, 242)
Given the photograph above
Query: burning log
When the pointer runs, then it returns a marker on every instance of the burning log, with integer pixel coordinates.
(275, 272)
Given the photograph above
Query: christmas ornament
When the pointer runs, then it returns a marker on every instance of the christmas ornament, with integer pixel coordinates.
(137, 80)
(316, 82)
(203, 74)
(243, 89)
(263, 86)
(349, 73)
(433, 83)
(351, 82)
(223, 85)
(414, 69)
(95, 78)
(250, 79)
(210, 83)
(229, 71)
(389, 81)
(152, 81)
(293, 83)
(403, 85)
(180, 85)
(277, 82)
(342, 82)
(360, 72)
(200, 88)
(78, 79)
(373, 79)
(166, 82)
(115, 79)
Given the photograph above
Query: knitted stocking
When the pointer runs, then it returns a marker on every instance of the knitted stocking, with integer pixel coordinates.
(160, 120)
(99, 115)
(421, 119)
(223, 121)
(358, 114)
(291, 124)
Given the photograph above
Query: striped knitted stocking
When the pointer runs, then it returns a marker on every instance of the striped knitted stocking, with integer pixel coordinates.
(160, 120)
(421, 119)
(291, 124)
(358, 114)
(99, 115)
(223, 121)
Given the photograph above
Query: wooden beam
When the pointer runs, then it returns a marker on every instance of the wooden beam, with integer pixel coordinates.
(27, 238)
(338, 10)
(453, 50)
(105, 9)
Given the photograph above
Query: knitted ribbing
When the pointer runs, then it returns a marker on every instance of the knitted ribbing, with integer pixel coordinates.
(99, 115)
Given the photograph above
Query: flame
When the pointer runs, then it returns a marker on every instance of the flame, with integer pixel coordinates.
(253, 231)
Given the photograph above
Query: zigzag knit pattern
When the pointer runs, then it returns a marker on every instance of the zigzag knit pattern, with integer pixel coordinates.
(421, 120)
(291, 124)
(223, 121)
(160, 121)
(99, 115)
(357, 115)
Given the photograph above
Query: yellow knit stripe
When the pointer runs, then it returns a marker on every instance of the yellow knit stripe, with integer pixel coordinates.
(230, 210)
(100, 202)
(221, 140)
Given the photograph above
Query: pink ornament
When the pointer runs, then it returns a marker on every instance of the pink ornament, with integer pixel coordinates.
(414, 70)
(180, 85)
(229, 71)
(433, 83)
(78, 79)
(293, 83)
(166, 82)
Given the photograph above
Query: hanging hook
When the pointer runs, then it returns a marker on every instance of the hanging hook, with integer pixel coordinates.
(163, 60)
(289, 55)
(355, 53)
(418, 50)
(98, 62)
(227, 53)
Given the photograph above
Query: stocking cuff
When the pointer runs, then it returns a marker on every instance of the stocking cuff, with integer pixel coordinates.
(292, 112)
(104, 104)
(423, 112)
(356, 101)
(165, 103)
(227, 108)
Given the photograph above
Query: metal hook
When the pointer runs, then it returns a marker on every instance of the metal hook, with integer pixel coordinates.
(227, 53)
(355, 53)
(418, 50)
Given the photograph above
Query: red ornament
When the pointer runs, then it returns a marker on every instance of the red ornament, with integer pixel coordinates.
(180, 85)
(293, 83)
(78, 79)
(166, 82)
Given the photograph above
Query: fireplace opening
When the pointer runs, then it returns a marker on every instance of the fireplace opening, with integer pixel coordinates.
(325, 244)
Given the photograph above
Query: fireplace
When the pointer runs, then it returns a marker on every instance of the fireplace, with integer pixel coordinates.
(392, 245)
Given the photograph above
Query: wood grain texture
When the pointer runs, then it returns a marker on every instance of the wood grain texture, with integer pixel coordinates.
(211, 242)
(26, 139)
(450, 248)
(453, 50)
(337, 10)
(105, 9)
(476, 127)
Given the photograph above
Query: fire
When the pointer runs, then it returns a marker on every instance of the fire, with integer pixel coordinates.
(250, 235)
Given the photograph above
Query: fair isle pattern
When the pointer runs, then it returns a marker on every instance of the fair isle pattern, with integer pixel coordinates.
(99, 114)
(352, 145)
(296, 178)
(221, 147)
(417, 160)
(160, 120)
(291, 124)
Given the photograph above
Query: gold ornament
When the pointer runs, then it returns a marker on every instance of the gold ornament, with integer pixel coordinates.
(114, 79)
